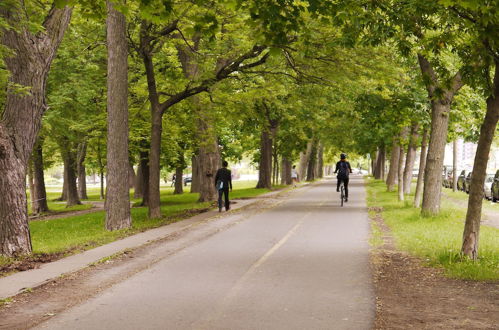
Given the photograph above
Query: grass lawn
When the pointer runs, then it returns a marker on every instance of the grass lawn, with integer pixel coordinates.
(462, 196)
(82, 232)
(437, 240)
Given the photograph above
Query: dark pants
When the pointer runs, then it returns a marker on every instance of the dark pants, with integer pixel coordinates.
(225, 192)
(345, 181)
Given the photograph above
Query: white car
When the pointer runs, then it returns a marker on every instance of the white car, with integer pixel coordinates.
(487, 186)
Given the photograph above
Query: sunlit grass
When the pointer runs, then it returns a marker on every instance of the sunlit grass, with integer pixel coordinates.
(437, 240)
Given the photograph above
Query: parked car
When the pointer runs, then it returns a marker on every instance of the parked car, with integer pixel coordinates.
(461, 181)
(487, 186)
(495, 188)
(187, 179)
(467, 183)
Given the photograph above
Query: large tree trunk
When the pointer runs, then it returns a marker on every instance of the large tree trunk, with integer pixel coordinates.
(410, 158)
(286, 171)
(474, 212)
(40, 194)
(441, 99)
(179, 184)
(394, 162)
(380, 163)
(208, 164)
(195, 174)
(422, 166)
(82, 175)
(265, 165)
(400, 169)
(312, 161)
(454, 165)
(28, 65)
(118, 187)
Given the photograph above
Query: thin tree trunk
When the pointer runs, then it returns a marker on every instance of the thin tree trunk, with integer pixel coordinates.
(118, 188)
(154, 164)
(304, 157)
(144, 164)
(471, 232)
(286, 171)
(139, 182)
(400, 169)
(454, 165)
(410, 158)
(394, 163)
(101, 168)
(383, 162)
(312, 162)
(265, 165)
(179, 185)
(82, 175)
(320, 161)
(69, 158)
(40, 204)
(422, 164)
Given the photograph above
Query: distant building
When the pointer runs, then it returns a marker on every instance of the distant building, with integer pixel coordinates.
(466, 156)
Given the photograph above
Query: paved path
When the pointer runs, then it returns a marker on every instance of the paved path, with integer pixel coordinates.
(303, 264)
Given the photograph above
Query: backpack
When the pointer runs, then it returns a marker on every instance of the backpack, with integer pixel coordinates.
(343, 170)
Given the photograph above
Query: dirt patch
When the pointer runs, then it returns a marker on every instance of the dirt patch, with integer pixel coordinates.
(411, 295)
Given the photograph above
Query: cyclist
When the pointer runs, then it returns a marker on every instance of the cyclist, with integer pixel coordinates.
(343, 169)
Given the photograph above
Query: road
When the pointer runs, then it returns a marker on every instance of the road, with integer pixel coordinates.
(302, 264)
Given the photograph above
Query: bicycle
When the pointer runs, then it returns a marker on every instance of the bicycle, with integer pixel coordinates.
(342, 192)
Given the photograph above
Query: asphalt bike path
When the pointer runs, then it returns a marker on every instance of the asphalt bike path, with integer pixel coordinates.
(303, 264)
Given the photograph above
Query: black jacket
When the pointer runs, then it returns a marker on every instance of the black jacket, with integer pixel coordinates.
(224, 175)
(343, 165)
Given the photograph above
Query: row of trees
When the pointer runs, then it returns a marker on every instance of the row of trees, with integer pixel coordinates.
(167, 84)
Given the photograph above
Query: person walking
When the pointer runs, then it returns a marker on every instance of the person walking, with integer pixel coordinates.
(294, 175)
(343, 169)
(223, 181)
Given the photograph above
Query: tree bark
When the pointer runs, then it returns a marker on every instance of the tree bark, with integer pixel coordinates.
(118, 188)
(144, 183)
(454, 165)
(179, 184)
(312, 160)
(82, 175)
(320, 161)
(286, 171)
(69, 158)
(410, 158)
(471, 232)
(31, 183)
(265, 164)
(208, 164)
(400, 169)
(440, 109)
(380, 163)
(394, 162)
(28, 65)
(40, 204)
(422, 166)
(304, 157)
(139, 183)
(195, 174)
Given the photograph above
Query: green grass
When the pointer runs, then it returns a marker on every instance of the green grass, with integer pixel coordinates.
(76, 233)
(462, 196)
(437, 240)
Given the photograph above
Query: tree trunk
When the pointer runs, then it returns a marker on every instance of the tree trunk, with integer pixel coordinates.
(28, 65)
(320, 162)
(31, 183)
(154, 163)
(118, 188)
(208, 164)
(179, 185)
(410, 158)
(139, 182)
(195, 174)
(473, 215)
(82, 175)
(40, 194)
(69, 158)
(101, 168)
(144, 165)
(380, 163)
(286, 171)
(400, 169)
(394, 163)
(454, 165)
(265, 165)
(132, 177)
(422, 166)
(440, 109)
(304, 157)
(312, 159)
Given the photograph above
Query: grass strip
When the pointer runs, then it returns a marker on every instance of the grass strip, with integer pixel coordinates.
(437, 240)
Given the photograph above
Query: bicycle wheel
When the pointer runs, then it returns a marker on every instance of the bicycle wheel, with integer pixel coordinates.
(342, 194)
